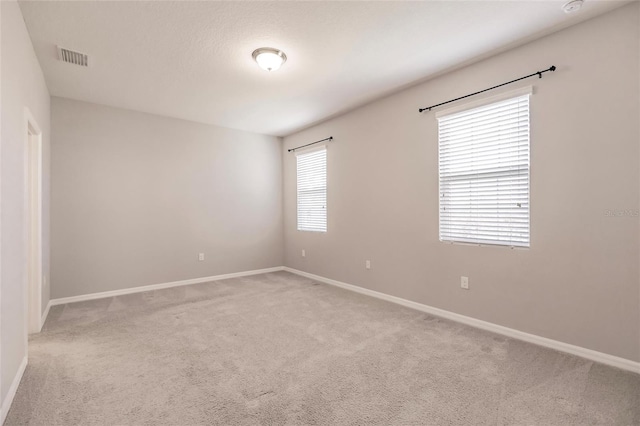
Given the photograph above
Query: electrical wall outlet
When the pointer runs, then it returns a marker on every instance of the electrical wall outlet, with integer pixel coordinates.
(201, 257)
(464, 283)
(367, 264)
(304, 253)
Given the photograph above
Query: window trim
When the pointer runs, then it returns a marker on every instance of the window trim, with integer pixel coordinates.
(309, 150)
(461, 107)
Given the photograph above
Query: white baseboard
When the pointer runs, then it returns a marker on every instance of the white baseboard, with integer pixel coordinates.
(589, 354)
(43, 319)
(8, 400)
(131, 290)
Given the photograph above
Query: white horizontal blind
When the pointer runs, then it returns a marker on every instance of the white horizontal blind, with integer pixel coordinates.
(312, 190)
(484, 174)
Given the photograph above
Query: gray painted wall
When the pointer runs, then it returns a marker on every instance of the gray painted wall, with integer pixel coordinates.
(23, 86)
(136, 197)
(579, 282)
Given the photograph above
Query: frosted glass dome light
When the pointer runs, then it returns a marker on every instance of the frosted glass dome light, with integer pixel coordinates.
(269, 59)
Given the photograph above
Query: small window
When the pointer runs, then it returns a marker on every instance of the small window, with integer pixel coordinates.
(312, 190)
(484, 174)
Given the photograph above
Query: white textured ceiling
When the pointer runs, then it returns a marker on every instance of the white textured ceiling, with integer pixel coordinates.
(192, 60)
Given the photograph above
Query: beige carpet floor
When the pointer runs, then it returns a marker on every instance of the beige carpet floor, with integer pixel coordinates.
(281, 349)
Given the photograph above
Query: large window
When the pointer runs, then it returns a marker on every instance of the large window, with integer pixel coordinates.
(312, 190)
(484, 174)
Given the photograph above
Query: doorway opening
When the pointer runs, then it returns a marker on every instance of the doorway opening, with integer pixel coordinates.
(33, 223)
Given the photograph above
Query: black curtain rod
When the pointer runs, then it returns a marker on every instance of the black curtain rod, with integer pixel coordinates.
(330, 138)
(539, 74)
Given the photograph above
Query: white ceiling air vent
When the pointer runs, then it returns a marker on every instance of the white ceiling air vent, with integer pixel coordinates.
(71, 57)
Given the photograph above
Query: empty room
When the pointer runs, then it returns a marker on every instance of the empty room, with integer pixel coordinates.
(320, 212)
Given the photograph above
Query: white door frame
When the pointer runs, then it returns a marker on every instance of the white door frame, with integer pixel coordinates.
(33, 224)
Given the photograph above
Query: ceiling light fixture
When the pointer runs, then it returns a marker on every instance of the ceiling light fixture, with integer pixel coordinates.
(268, 58)
(572, 6)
